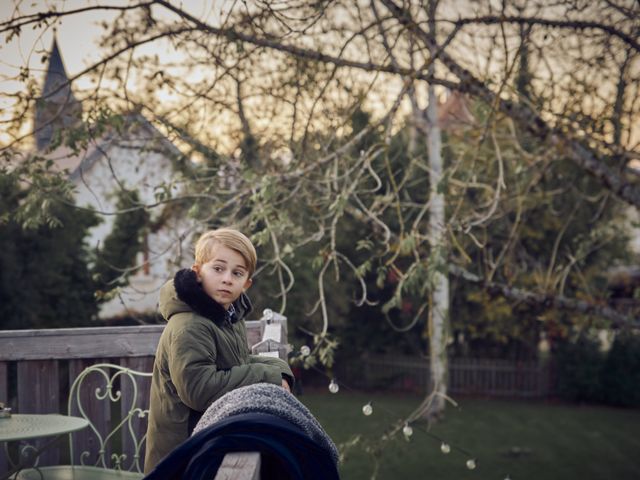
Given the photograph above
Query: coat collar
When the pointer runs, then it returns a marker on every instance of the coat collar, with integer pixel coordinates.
(190, 291)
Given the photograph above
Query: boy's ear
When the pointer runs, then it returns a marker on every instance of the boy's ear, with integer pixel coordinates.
(247, 284)
(196, 268)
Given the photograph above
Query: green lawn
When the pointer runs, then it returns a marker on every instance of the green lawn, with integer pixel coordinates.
(525, 440)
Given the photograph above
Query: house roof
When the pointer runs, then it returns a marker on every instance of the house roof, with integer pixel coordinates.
(57, 107)
(84, 161)
(454, 112)
(137, 128)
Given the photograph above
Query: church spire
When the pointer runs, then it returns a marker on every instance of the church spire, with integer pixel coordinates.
(57, 108)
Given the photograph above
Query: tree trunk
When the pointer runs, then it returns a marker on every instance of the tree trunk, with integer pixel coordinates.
(439, 291)
(439, 312)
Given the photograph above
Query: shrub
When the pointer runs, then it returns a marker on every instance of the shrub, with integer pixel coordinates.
(620, 377)
(580, 364)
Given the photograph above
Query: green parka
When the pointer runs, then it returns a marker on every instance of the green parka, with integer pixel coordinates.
(202, 354)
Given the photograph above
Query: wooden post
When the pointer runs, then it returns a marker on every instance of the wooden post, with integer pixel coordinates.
(39, 392)
(274, 336)
(239, 466)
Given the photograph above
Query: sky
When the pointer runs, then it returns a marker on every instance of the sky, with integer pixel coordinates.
(77, 38)
(77, 35)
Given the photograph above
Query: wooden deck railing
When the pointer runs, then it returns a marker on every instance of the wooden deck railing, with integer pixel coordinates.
(37, 367)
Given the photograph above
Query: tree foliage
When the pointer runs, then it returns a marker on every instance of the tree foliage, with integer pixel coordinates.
(44, 276)
(621, 378)
(116, 259)
(537, 183)
(586, 373)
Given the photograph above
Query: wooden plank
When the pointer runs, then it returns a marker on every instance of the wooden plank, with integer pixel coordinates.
(38, 387)
(239, 466)
(39, 392)
(71, 343)
(4, 383)
(97, 411)
(135, 457)
(95, 342)
(4, 398)
(254, 332)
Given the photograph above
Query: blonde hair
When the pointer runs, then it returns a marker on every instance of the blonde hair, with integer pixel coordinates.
(229, 238)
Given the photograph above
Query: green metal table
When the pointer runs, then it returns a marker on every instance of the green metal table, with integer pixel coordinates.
(20, 427)
(25, 426)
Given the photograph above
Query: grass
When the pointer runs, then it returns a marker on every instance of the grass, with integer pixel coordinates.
(524, 440)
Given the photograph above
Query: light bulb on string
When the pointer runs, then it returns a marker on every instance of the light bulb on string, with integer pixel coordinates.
(333, 386)
(407, 430)
(305, 351)
(508, 477)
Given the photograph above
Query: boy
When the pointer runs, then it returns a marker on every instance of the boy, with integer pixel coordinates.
(202, 353)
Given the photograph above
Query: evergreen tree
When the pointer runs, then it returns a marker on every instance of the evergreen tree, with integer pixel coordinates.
(620, 377)
(44, 280)
(116, 259)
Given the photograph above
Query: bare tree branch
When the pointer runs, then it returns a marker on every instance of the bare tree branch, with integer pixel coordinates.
(583, 156)
(548, 300)
(575, 25)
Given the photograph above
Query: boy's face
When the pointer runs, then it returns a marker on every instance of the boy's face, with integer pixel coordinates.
(224, 276)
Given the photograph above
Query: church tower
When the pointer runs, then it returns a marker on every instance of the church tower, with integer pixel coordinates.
(57, 108)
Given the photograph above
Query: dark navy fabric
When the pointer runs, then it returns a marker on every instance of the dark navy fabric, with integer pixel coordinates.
(287, 453)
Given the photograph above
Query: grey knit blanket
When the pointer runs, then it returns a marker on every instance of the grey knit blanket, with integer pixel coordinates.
(270, 399)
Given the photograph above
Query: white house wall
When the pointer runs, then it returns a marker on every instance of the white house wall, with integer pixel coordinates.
(143, 170)
(168, 252)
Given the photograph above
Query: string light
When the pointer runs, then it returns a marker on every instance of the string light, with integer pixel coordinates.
(407, 430)
(507, 477)
(305, 351)
(333, 386)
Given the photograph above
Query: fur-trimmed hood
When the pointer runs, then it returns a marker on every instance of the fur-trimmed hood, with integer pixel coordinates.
(185, 294)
